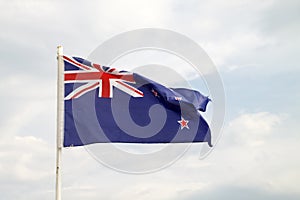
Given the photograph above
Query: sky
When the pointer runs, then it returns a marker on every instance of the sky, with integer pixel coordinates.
(255, 47)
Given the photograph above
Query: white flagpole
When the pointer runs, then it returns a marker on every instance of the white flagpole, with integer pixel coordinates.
(60, 119)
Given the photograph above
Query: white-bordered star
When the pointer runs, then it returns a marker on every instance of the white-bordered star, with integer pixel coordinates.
(183, 123)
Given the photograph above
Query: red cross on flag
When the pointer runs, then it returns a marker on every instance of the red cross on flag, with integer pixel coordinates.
(97, 77)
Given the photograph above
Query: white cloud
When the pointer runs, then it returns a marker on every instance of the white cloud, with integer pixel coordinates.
(25, 99)
(25, 159)
(242, 33)
(252, 128)
(254, 154)
(238, 44)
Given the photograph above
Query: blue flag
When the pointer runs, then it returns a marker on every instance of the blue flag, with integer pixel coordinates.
(104, 105)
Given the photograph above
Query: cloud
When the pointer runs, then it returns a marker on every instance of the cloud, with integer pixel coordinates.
(281, 18)
(254, 154)
(252, 128)
(236, 193)
(26, 166)
(222, 34)
(238, 34)
(27, 104)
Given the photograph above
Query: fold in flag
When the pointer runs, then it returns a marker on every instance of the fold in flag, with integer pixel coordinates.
(104, 105)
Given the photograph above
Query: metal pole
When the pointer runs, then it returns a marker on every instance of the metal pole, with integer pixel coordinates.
(60, 119)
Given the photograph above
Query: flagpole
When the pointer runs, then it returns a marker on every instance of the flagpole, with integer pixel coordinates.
(60, 120)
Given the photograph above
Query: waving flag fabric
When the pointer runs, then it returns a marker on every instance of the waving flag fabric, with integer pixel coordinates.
(105, 105)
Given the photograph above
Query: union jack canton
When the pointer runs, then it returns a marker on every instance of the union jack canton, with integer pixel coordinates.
(97, 76)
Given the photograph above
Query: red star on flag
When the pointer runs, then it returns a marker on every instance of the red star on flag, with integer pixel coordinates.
(183, 123)
(154, 92)
(178, 98)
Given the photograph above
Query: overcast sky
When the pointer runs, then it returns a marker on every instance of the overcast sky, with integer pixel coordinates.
(253, 43)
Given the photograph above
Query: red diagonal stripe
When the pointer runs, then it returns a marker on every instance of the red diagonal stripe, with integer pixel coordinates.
(135, 90)
(82, 91)
(76, 63)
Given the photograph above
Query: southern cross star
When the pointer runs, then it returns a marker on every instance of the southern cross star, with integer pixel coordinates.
(183, 123)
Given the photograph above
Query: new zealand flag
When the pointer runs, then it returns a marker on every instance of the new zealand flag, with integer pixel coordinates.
(104, 105)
